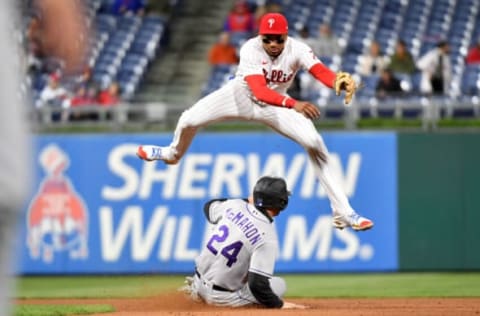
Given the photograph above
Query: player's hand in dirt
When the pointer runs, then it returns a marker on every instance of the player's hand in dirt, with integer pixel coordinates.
(308, 109)
(290, 305)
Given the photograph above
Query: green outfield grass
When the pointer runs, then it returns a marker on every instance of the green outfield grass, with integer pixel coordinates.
(385, 285)
(60, 310)
(299, 285)
(95, 286)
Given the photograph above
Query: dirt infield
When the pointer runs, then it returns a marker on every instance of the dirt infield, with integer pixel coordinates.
(177, 304)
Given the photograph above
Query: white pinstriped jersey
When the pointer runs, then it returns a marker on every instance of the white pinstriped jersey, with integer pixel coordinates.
(243, 240)
(279, 71)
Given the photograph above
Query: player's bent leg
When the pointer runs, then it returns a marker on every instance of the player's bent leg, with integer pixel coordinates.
(183, 136)
(343, 213)
(214, 107)
(300, 129)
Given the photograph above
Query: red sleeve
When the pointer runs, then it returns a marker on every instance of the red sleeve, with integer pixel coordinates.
(322, 73)
(262, 92)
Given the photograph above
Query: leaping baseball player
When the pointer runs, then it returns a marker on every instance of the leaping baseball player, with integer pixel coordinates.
(235, 268)
(267, 67)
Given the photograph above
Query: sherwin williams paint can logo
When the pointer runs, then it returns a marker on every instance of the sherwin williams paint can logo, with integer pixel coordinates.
(57, 218)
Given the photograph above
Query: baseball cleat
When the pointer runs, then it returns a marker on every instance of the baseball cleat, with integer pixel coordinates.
(151, 153)
(354, 220)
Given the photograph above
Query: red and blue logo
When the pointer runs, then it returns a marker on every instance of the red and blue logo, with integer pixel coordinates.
(57, 218)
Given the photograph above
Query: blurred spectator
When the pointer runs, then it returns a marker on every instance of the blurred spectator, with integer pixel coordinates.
(326, 47)
(326, 43)
(128, 7)
(109, 96)
(304, 36)
(87, 96)
(223, 52)
(274, 6)
(81, 98)
(402, 61)
(53, 93)
(56, 97)
(388, 84)
(85, 78)
(473, 56)
(34, 57)
(436, 69)
(264, 8)
(257, 15)
(373, 61)
(303, 82)
(240, 18)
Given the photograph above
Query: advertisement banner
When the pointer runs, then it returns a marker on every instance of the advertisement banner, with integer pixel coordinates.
(97, 208)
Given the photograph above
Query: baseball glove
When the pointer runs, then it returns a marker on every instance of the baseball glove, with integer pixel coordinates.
(344, 81)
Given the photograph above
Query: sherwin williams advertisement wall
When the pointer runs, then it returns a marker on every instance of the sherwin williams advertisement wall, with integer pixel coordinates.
(97, 208)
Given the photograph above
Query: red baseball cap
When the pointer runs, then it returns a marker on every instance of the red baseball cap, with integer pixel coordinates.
(273, 23)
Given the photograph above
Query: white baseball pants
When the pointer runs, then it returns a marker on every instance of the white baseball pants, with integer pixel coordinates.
(232, 102)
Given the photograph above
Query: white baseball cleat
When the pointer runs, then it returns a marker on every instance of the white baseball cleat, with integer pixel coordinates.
(151, 153)
(354, 220)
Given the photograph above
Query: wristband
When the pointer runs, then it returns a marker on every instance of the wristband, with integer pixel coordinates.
(288, 102)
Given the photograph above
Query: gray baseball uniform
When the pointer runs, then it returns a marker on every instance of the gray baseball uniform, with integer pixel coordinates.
(243, 240)
(14, 155)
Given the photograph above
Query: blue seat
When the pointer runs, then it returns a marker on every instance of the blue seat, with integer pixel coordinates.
(103, 80)
(154, 19)
(355, 46)
(39, 81)
(350, 62)
(135, 59)
(416, 79)
(470, 83)
(238, 38)
(132, 69)
(369, 86)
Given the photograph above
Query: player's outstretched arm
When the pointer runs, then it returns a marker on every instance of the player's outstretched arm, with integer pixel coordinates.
(262, 291)
(261, 91)
(340, 81)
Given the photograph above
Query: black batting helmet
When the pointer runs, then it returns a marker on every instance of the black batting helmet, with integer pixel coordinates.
(270, 193)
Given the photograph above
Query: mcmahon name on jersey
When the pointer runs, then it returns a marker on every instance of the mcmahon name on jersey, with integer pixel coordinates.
(245, 224)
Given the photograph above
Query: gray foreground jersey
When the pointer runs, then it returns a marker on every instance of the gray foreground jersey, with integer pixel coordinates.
(15, 160)
(242, 240)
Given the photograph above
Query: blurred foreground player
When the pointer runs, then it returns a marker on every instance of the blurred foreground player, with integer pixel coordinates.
(61, 27)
